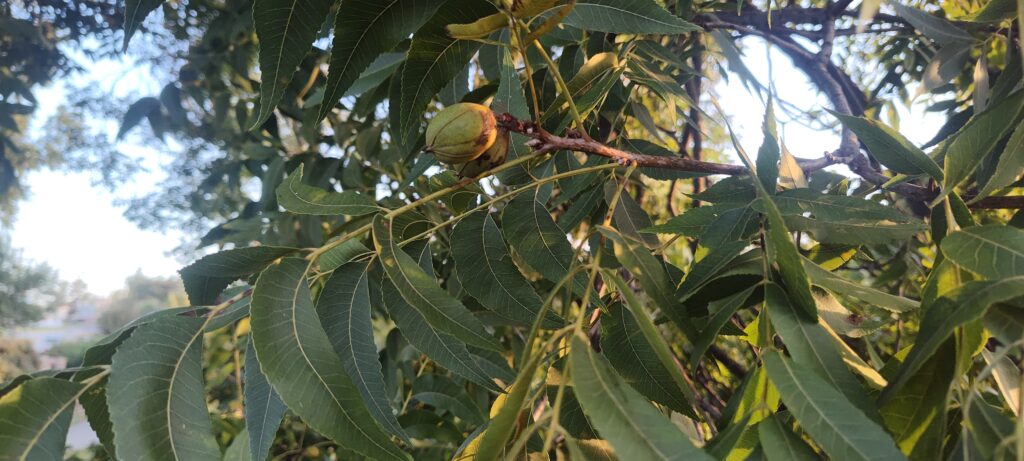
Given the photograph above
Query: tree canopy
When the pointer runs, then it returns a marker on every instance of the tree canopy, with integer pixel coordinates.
(600, 272)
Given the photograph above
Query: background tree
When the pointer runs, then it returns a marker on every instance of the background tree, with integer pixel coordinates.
(613, 288)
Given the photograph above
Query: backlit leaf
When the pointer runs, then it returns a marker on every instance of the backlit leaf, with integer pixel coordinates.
(956, 308)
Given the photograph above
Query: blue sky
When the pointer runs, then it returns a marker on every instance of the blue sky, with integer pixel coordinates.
(102, 248)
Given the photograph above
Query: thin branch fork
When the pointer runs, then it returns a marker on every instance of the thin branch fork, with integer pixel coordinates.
(543, 141)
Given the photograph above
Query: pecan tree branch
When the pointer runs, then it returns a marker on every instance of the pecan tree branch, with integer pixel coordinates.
(542, 141)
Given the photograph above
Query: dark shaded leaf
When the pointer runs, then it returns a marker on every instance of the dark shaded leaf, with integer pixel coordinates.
(206, 278)
(286, 30)
(363, 29)
(298, 360)
(625, 418)
(422, 292)
(264, 410)
(487, 272)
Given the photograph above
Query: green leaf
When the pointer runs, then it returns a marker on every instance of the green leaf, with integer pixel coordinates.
(344, 311)
(737, 224)
(629, 217)
(442, 393)
(634, 359)
(944, 66)
(840, 219)
(286, 30)
(94, 402)
(836, 207)
(839, 285)
(487, 272)
(422, 292)
(300, 198)
(989, 430)
(363, 29)
(296, 356)
(435, 59)
(503, 424)
(708, 267)
(979, 137)
(721, 311)
(840, 428)
(645, 267)
(239, 449)
(1005, 322)
(916, 416)
(155, 394)
(529, 229)
(691, 223)
(264, 409)
(810, 345)
(627, 17)
(784, 253)
(442, 348)
(734, 190)
(992, 251)
(341, 254)
(890, 147)
(34, 419)
(780, 443)
(854, 231)
(621, 415)
(994, 11)
(933, 27)
(769, 153)
(958, 307)
(135, 11)
(1009, 167)
(206, 278)
(653, 338)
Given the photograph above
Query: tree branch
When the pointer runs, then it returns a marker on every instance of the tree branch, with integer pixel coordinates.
(542, 141)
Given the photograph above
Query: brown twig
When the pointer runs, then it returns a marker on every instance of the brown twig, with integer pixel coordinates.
(542, 141)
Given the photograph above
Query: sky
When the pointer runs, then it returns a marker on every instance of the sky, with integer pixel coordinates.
(73, 225)
(102, 248)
